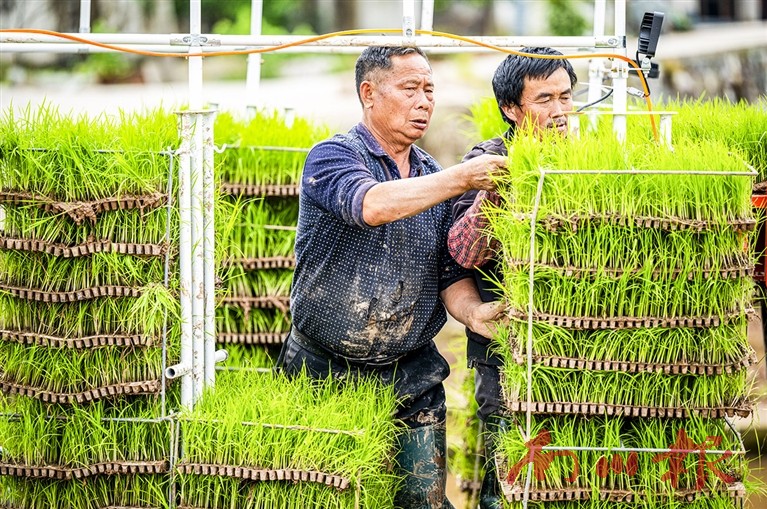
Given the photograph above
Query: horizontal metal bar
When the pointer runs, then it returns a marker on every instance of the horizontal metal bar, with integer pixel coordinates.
(651, 172)
(216, 41)
(636, 449)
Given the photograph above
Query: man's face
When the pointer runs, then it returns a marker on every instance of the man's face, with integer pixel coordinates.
(399, 101)
(544, 103)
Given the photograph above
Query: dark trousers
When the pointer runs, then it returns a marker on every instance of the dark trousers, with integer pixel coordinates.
(417, 377)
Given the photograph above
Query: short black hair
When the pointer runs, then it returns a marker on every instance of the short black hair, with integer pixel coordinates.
(374, 58)
(509, 78)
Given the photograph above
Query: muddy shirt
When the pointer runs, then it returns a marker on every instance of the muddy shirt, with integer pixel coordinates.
(362, 292)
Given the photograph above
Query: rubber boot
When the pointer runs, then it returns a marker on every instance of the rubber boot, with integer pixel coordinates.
(490, 495)
(421, 462)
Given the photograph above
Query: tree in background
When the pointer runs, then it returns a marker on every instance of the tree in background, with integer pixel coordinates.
(565, 19)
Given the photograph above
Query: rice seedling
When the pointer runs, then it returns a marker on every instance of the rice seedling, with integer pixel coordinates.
(628, 296)
(85, 158)
(265, 150)
(65, 371)
(108, 316)
(593, 464)
(34, 433)
(131, 226)
(233, 319)
(717, 200)
(338, 428)
(741, 125)
(262, 282)
(722, 346)
(145, 491)
(45, 272)
(248, 357)
(638, 390)
(263, 228)
(709, 502)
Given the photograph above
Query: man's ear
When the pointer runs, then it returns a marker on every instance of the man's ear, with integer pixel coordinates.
(366, 94)
(511, 113)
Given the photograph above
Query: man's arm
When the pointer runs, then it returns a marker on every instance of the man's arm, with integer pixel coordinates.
(464, 304)
(389, 201)
(468, 241)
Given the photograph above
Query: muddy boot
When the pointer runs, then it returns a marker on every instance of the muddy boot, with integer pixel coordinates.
(421, 462)
(490, 495)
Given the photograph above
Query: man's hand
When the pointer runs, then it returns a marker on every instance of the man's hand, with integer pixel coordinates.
(478, 172)
(485, 318)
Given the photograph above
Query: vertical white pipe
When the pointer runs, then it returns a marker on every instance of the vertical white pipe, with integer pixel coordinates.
(427, 15)
(195, 63)
(85, 16)
(408, 20)
(620, 78)
(595, 64)
(665, 129)
(185, 258)
(253, 77)
(209, 269)
(197, 289)
(198, 265)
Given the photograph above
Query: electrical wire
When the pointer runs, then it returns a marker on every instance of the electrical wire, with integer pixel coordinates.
(341, 33)
(608, 94)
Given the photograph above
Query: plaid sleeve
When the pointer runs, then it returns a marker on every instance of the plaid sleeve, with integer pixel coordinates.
(469, 241)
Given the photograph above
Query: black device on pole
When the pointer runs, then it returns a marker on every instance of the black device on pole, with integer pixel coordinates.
(649, 33)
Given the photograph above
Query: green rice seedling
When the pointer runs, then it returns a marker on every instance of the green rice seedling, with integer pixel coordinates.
(707, 502)
(249, 357)
(85, 158)
(261, 282)
(605, 296)
(655, 389)
(726, 345)
(87, 493)
(67, 371)
(265, 150)
(131, 226)
(716, 199)
(616, 249)
(41, 271)
(595, 464)
(742, 125)
(340, 428)
(233, 319)
(34, 433)
(146, 314)
(263, 228)
(486, 120)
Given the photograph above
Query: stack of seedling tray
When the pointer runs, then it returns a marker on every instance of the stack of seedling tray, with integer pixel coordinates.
(86, 309)
(263, 440)
(259, 167)
(627, 274)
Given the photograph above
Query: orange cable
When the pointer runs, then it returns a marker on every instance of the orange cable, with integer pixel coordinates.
(329, 35)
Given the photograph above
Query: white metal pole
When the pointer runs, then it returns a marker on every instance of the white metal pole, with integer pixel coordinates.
(620, 74)
(198, 265)
(209, 248)
(196, 215)
(408, 21)
(185, 263)
(85, 16)
(595, 64)
(253, 77)
(427, 15)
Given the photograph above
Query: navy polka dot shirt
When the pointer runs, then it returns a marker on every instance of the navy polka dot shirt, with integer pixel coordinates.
(367, 293)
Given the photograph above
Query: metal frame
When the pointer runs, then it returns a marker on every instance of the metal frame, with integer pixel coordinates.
(197, 270)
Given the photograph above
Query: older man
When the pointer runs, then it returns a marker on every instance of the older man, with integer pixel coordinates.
(373, 275)
(531, 93)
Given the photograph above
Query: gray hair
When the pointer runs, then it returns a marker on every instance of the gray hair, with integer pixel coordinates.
(374, 58)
